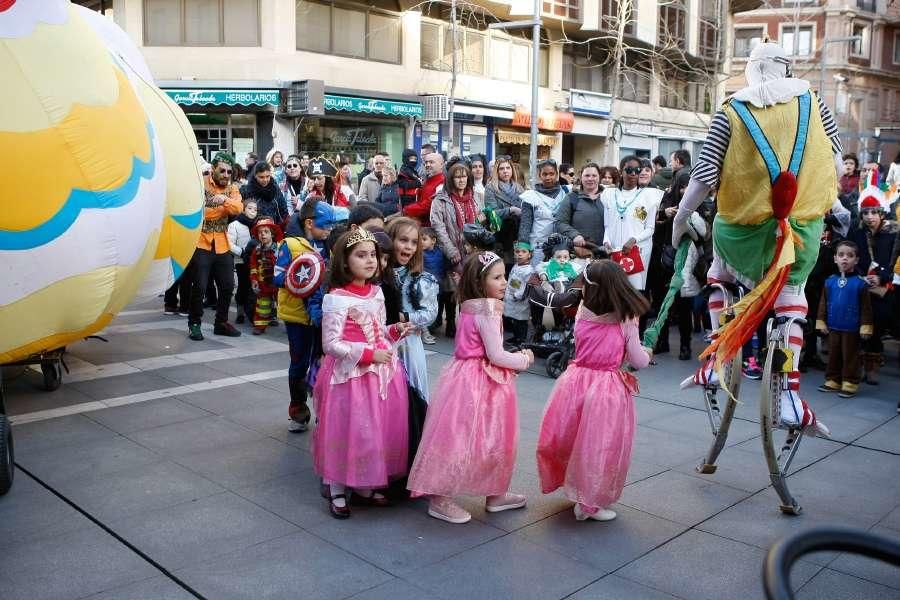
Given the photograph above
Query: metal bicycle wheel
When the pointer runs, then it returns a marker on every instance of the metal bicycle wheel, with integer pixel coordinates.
(719, 418)
(779, 445)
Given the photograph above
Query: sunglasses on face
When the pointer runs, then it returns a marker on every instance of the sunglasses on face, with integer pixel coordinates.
(292, 166)
(547, 161)
(571, 173)
(632, 170)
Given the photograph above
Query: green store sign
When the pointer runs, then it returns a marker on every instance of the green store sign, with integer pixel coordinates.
(194, 97)
(372, 106)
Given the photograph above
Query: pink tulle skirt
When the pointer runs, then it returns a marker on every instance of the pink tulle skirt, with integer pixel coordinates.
(586, 435)
(471, 429)
(360, 439)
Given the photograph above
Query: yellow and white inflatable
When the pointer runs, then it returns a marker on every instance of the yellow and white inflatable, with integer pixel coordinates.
(100, 193)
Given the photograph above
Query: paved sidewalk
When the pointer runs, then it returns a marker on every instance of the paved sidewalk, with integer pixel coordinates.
(163, 465)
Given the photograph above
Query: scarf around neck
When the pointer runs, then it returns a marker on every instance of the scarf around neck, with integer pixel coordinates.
(464, 206)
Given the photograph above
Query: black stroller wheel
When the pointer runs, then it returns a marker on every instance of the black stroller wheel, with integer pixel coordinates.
(556, 364)
(7, 464)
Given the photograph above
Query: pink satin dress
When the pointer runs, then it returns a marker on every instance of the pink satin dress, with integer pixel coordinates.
(361, 434)
(588, 425)
(469, 441)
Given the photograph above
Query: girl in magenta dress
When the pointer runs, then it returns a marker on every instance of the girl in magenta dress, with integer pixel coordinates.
(588, 426)
(360, 440)
(468, 445)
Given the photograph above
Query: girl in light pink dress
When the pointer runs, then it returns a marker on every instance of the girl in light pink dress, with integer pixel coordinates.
(588, 426)
(468, 445)
(360, 396)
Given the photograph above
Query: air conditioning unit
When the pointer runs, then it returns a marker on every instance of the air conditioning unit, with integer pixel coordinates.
(435, 107)
(303, 98)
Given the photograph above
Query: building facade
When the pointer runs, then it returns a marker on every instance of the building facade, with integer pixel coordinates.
(860, 80)
(230, 64)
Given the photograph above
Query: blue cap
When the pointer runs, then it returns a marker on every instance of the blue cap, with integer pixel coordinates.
(327, 216)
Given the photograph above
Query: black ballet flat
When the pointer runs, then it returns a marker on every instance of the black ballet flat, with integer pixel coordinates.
(339, 512)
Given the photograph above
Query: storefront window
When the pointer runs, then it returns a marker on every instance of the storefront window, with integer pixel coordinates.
(351, 141)
(430, 133)
(220, 131)
(474, 139)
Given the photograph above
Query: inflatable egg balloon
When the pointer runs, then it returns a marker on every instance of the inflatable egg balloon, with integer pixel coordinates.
(84, 198)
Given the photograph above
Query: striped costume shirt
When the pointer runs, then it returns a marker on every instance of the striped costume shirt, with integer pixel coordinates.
(709, 164)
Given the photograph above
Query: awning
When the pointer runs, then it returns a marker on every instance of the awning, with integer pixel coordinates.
(372, 106)
(234, 97)
(505, 136)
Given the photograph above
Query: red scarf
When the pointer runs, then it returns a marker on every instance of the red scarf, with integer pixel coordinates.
(465, 207)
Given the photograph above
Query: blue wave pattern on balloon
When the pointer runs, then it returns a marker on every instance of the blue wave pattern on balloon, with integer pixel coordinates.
(79, 200)
(189, 221)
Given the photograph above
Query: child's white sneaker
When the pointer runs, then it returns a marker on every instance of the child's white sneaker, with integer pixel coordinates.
(602, 514)
(427, 338)
(505, 502)
(445, 509)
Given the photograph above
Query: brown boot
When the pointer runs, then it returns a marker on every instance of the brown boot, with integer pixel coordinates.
(871, 363)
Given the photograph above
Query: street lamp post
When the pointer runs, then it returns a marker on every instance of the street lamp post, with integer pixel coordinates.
(535, 25)
(822, 65)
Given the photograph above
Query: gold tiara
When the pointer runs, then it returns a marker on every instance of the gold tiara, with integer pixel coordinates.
(360, 235)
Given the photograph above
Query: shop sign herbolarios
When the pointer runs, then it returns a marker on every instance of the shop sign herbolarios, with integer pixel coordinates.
(373, 106)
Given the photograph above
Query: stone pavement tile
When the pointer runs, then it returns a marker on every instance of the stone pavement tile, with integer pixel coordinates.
(190, 533)
(699, 565)
(28, 513)
(540, 506)
(758, 521)
(193, 436)
(247, 463)
(517, 568)
(737, 467)
(665, 448)
(852, 483)
(832, 585)
(648, 409)
(234, 398)
(146, 415)
(279, 385)
(892, 520)
(679, 497)
(126, 346)
(694, 423)
(870, 569)
(123, 385)
(294, 566)
(401, 539)
(88, 458)
(157, 588)
(191, 373)
(25, 395)
(855, 417)
(294, 498)
(613, 587)
(55, 433)
(72, 565)
(605, 546)
(137, 490)
(886, 438)
(399, 589)
(269, 417)
(639, 469)
(662, 383)
(247, 365)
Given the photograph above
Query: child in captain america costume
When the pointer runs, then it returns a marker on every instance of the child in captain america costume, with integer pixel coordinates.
(773, 151)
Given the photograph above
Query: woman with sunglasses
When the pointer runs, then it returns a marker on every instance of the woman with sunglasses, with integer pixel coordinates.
(294, 183)
(501, 194)
(539, 206)
(630, 218)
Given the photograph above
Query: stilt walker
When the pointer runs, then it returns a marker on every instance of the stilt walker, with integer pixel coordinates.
(774, 153)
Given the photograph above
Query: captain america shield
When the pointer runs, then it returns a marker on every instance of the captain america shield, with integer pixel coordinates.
(305, 274)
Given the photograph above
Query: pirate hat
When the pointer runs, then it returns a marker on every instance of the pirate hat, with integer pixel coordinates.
(277, 235)
(321, 166)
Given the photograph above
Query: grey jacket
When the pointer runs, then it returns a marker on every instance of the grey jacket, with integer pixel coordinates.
(500, 201)
(369, 188)
(443, 220)
(580, 215)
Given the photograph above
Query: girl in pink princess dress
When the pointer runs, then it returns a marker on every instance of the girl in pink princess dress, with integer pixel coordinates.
(588, 425)
(360, 440)
(469, 441)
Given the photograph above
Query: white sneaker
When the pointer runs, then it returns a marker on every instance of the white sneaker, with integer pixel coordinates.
(427, 338)
(297, 426)
(603, 514)
(446, 509)
(505, 502)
